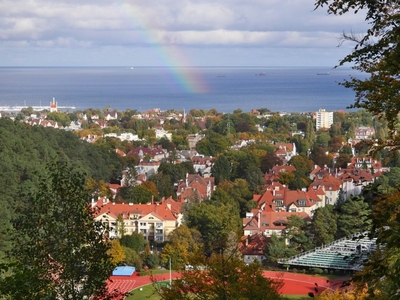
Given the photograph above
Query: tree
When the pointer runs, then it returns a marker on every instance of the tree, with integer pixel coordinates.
(60, 251)
(376, 53)
(270, 160)
(296, 233)
(135, 241)
(238, 191)
(381, 272)
(354, 216)
(214, 221)
(324, 225)
(152, 261)
(221, 169)
(277, 249)
(221, 277)
(120, 226)
(182, 242)
(116, 252)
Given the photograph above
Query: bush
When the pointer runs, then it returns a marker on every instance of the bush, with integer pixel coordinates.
(145, 273)
(317, 271)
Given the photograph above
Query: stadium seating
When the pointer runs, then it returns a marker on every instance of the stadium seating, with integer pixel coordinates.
(347, 254)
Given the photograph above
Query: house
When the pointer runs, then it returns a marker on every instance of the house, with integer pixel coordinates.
(193, 139)
(285, 151)
(362, 133)
(273, 174)
(252, 247)
(195, 187)
(354, 180)
(154, 220)
(111, 115)
(268, 222)
(279, 198)
(125, 136)
(160, 132)
(156, 154)
(148, 168)
(202, 164)
(330, 185)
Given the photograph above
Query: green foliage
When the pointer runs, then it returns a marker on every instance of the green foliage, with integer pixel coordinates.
(297, 234)
(59, 251)
(182, 242)
(324, 225)
(135, 194)
(277, 249)
(380, 274)
(214, 221)
(354, 215)
(152, 261)
(135, 241)
(213, 144)
(376, 53)
(221, 169)
(59, 117)
(238, 191)
(132, 258)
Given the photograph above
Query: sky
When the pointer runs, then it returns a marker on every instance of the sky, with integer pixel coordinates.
(172, 33)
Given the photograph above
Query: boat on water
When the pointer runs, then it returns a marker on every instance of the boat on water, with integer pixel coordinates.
(261, 74)
(323, 73)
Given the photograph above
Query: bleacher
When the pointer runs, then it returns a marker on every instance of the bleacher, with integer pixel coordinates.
(346, 254)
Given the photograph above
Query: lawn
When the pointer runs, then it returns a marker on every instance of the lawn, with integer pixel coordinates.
(148, 293)
(145, 293)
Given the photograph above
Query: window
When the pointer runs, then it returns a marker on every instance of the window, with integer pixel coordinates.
(159, 225)
(151, 218)
(143, 224)
(279, 202)
(302, 202)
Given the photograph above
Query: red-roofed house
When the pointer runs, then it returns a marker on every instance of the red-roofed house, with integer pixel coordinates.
(154, 221)
(330, 185)
(273, 175)
(278, 197)
(252, 247)
(285, 151)
(195, 187)
(156, 154)
(269, 222)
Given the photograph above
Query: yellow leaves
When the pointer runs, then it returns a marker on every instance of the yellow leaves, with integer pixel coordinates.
(349, 293)
(116, 252)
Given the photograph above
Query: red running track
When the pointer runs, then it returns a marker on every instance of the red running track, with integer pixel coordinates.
(293, 283)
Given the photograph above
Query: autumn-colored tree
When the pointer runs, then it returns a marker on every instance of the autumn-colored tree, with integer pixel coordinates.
(347, 293)
(182, 242)
(221, 277)
(116, 252)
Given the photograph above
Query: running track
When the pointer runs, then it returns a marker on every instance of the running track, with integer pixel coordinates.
(293, 284)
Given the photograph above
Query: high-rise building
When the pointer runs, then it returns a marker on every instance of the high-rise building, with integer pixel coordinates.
(324, 119)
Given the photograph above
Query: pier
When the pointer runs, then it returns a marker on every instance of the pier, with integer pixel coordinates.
(35, 108)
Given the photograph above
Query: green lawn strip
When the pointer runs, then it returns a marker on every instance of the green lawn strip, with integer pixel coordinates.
(146, 292)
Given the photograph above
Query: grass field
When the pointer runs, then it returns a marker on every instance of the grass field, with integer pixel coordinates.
(149, 293)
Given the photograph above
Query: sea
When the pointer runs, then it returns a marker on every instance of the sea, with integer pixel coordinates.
(279, 89)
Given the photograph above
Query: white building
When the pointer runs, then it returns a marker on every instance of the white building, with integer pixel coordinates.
(324, 119)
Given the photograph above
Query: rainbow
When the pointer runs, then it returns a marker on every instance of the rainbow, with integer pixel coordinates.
(188, 79)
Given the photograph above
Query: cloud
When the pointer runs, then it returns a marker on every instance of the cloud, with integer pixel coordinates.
(185, 23)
